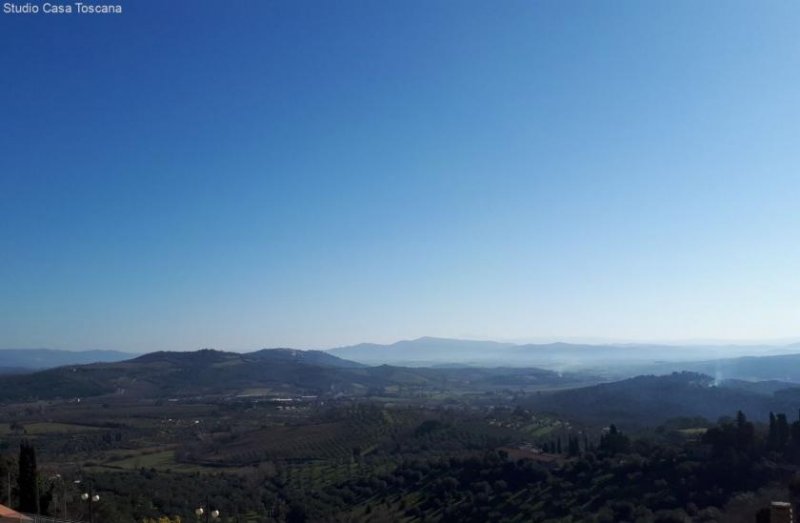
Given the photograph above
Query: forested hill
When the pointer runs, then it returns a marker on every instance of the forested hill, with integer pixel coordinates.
(649, 400)
(785, 367)
(206, 357)
(309, 357)
(166, 374)
(265, 372)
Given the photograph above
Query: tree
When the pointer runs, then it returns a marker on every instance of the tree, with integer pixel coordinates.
(26, 479)
(772, 435)
(5, 480)
(745, 434)
(573, 446)
(781, 431)
(614, 442)
(297, 514)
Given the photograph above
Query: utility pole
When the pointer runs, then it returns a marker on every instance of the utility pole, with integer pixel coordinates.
(91, 504)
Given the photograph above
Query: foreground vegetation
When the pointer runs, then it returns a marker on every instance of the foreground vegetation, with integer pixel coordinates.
(466, 446)
(373, 461)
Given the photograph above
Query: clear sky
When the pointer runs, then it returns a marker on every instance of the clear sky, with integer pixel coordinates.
(258, 173)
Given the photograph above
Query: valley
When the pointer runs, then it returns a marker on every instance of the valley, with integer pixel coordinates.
(283, 435)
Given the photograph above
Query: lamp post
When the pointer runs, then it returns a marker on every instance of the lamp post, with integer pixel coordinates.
(91, 498)
(210, 514)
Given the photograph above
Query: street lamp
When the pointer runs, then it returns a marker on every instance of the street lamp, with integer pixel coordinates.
(210, 514)
(91, 498)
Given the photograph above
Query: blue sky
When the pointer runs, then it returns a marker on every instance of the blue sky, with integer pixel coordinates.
(242, 175)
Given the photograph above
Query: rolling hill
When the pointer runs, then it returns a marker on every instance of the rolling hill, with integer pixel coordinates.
(782, 367)
(649, 400)
(269, 371)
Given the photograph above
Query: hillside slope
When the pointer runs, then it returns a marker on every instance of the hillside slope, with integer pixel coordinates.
(276, 371)
(649, 400)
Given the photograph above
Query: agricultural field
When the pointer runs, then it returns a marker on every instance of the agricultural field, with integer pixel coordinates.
(258, 458)
(42, 427)
(289, 446)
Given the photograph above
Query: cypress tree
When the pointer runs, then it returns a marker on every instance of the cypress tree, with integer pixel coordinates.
(573, 446)
(26, 480)
(5, 481)
(772, 435)
(782, 431)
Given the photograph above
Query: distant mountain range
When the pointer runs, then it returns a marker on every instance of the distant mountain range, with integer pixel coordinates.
(423, 352)
(22, 360)
(613, 361)
(430, 351)
(709, 388)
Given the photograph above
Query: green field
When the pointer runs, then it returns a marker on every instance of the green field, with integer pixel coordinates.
(43, 427)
